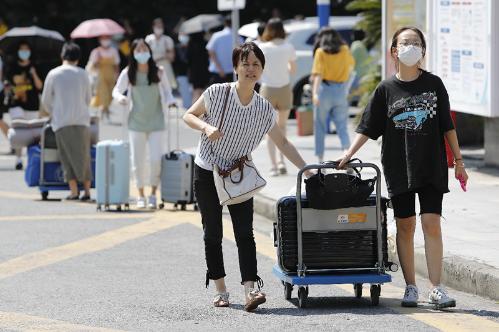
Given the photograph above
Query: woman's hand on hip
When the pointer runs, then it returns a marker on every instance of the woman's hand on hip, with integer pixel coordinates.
(212, 132)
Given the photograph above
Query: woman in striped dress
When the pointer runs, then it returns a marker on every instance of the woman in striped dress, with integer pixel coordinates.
(248, 118)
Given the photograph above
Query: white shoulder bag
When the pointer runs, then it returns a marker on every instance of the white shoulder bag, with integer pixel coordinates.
(242, 180)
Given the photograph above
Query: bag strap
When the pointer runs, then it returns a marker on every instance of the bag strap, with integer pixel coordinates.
(224, 108)
(227, 93)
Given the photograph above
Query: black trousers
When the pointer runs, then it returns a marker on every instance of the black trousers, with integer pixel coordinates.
(242, 223)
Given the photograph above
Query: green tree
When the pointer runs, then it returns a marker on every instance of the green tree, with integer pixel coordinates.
(370, 11)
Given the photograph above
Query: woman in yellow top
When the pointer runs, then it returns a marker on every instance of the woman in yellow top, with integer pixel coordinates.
(333, 64)
(103, 64)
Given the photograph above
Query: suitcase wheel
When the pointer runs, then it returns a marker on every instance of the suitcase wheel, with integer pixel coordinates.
(196, 207)
(375, 293)
(161, 205)
(288, 290)
(118, 208)
(45, 195)
(358, 290)
(127, 207)
(183, 207)
(302, 297)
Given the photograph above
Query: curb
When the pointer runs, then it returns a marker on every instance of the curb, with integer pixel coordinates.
(457, 272)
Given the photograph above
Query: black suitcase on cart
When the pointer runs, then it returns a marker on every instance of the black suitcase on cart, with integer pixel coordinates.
(340, 248)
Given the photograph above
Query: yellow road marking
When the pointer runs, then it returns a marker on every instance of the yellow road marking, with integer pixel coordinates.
(99, 216)
(92, 244)
(21, 322)
(446, 321)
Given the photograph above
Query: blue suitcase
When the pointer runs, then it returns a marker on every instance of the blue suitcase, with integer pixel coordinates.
(112, 174)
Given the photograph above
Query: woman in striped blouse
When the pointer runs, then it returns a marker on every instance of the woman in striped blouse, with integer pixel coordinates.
(248, 118)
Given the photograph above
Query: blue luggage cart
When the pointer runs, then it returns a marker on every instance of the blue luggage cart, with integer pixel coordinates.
(357, 276)
(44, 169)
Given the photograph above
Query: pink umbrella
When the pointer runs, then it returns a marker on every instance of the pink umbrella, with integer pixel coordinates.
(97, 27)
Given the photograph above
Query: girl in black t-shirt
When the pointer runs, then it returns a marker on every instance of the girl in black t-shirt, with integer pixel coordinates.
(24, 88)
(411, 111)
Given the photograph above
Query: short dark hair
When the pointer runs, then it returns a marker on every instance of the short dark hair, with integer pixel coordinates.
(70, 52)
(242, 52)
(157, 20)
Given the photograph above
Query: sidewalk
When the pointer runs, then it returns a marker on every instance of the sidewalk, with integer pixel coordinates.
(470, 226)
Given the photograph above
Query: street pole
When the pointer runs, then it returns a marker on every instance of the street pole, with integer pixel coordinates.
(323, 12)
(235, 28)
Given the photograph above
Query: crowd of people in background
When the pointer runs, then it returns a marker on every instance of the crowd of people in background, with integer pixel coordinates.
(185, 66)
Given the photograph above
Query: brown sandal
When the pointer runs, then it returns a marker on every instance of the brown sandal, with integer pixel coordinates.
(254, 299)
(221, 300)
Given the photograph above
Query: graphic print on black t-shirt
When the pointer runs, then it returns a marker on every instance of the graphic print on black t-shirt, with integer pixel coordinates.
(412, 117)
(412, 112)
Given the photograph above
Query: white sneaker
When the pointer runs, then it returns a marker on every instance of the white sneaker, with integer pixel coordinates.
(439, 297)
(411, 296)
(141, 203)
(151, 202)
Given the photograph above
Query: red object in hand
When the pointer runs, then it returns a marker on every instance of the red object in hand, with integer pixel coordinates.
(462, 182)
(448, 151)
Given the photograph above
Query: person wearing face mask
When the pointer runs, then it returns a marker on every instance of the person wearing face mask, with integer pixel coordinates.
(24, 86)
(163, 49)
(148, 97)
(103, 65)
(411, 111)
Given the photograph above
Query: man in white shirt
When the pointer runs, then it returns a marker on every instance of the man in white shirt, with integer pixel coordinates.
(66, 97)
(163, 49)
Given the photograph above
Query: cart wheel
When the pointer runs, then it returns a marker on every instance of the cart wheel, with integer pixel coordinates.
(288, 290)
(302, 297)
(118, 208)
(45, 195)
(375, 292)
(182, 207)
(358, 290)
(175, 206)
(161, 206)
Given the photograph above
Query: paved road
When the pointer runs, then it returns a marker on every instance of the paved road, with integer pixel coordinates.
(66, 267)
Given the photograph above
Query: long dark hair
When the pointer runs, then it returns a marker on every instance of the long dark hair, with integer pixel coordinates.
(330, 40)
(152, 74)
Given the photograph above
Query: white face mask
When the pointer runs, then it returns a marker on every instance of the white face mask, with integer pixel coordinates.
(105, 42)
(183, 39)
(410, 55)
(158, 31)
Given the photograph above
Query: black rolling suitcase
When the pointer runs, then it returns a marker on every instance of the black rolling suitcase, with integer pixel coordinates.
(343, 246)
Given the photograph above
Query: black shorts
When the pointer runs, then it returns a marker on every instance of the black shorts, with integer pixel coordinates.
(430, 201)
